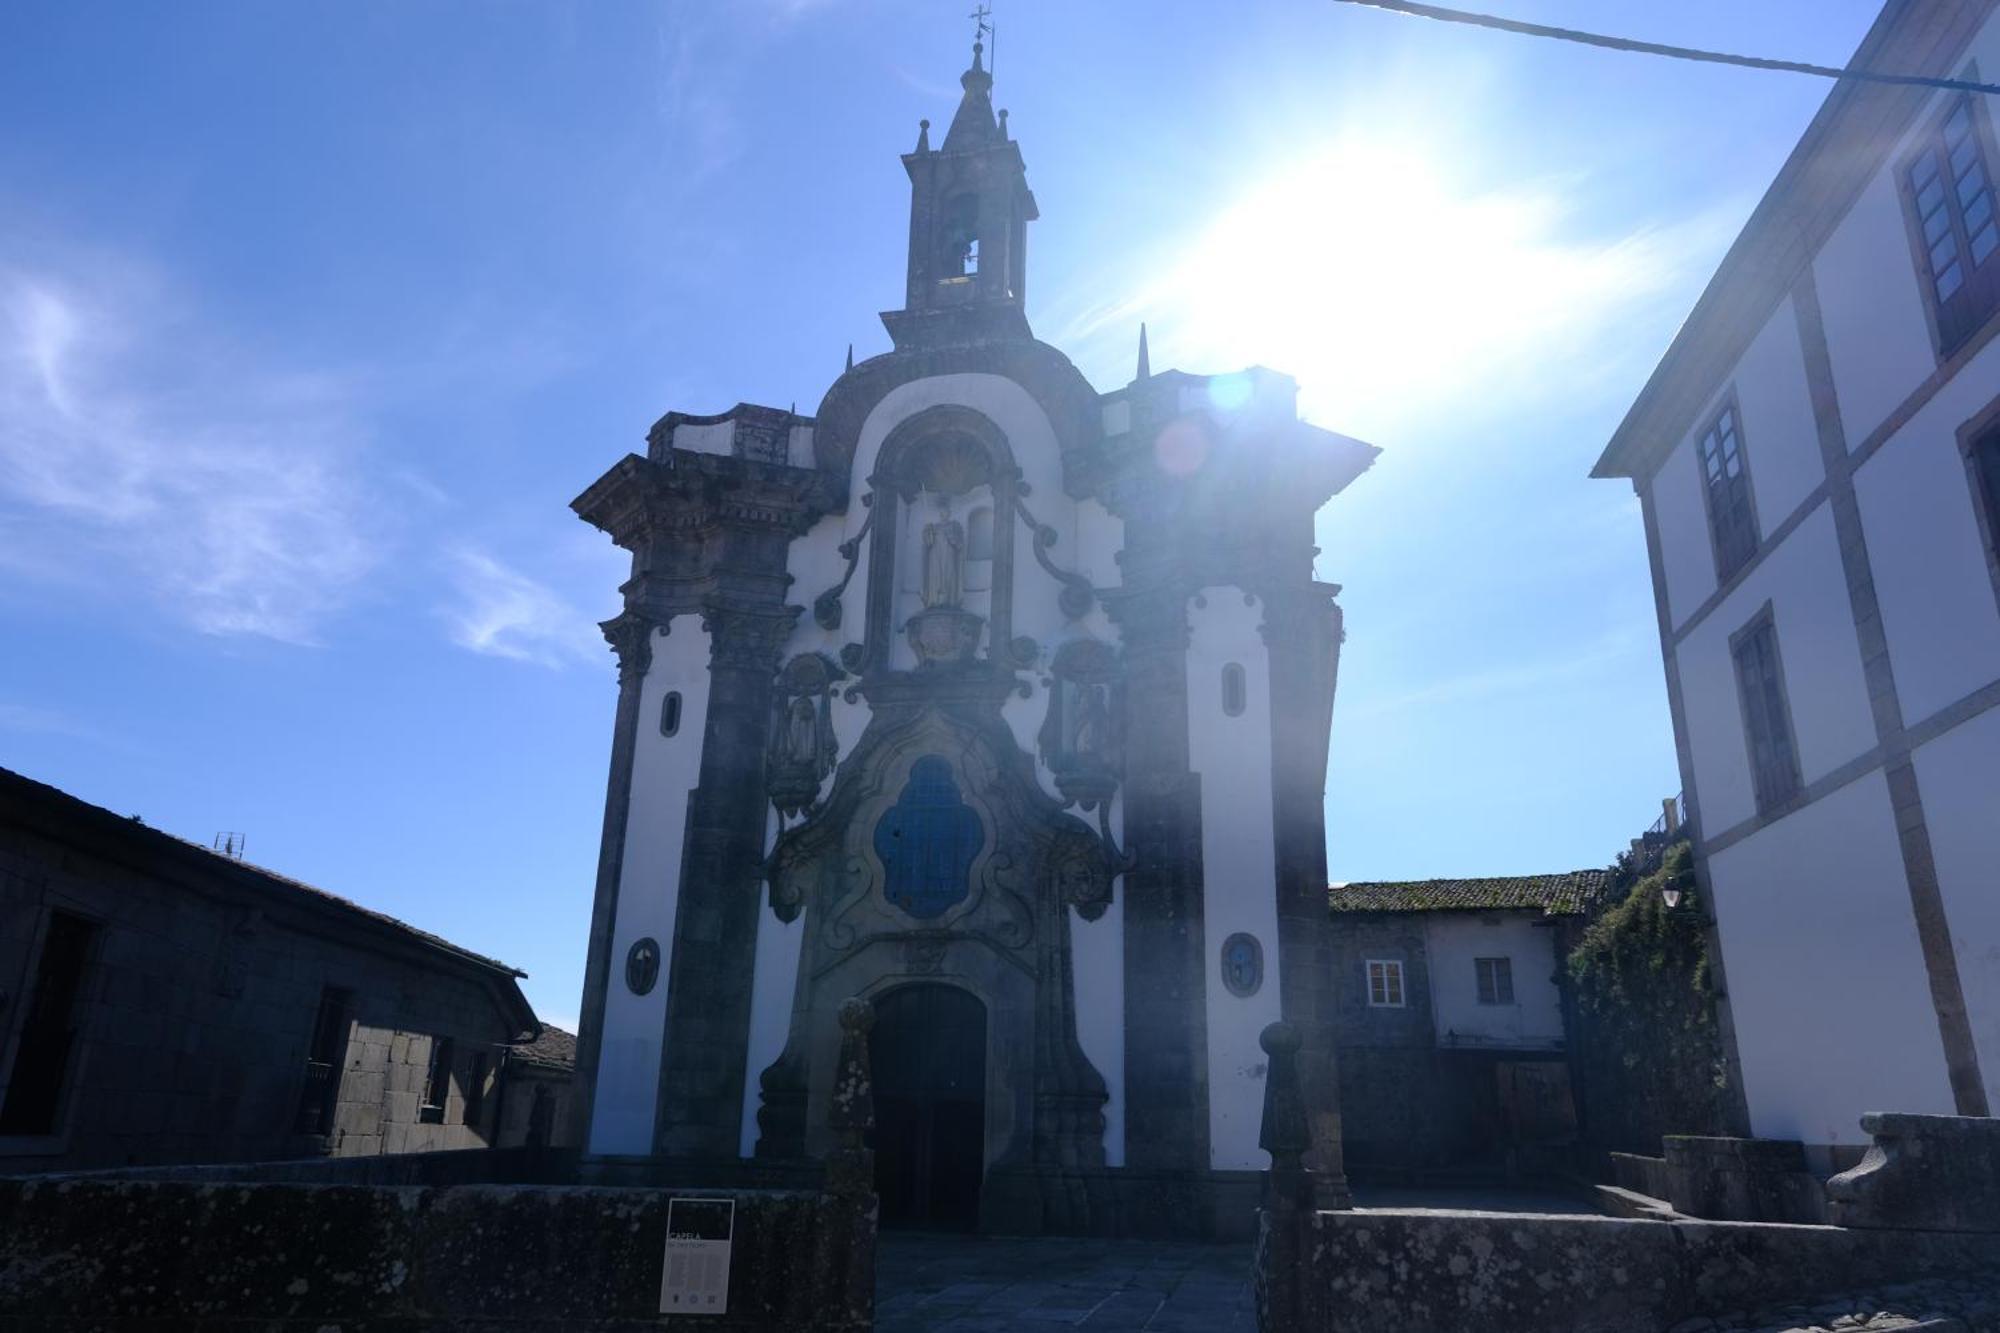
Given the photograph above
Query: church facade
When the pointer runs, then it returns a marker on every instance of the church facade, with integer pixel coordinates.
(992, 698)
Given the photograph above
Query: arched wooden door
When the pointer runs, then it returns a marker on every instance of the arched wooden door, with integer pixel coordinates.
(929, 1055)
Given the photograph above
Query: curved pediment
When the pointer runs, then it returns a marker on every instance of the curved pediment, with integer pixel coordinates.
(1048, 376)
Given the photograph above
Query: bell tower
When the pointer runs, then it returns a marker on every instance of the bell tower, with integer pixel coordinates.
(970, 207)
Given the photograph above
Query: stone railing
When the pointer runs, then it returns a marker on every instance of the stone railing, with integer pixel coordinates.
(1925, 1203)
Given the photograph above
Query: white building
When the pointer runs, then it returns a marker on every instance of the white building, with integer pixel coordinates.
(1818, 460)
(999, 701)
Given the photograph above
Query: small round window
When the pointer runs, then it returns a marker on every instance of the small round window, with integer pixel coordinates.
(670, 713)
(1234, 692)
(642, 965)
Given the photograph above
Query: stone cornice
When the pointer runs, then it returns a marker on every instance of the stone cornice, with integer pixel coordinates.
(640, 499)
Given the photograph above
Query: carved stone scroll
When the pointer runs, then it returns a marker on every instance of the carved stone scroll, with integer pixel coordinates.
(1077, 596)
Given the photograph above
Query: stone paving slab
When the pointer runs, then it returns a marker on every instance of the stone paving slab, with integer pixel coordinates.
(974, 1284)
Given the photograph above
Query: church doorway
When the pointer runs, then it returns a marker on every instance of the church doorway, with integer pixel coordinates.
(929, 1055)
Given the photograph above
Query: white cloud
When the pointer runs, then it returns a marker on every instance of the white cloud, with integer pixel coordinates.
(504, 613)
(33, 720)
(138, 452)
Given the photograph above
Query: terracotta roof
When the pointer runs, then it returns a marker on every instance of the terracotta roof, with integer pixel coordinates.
(554, 1049)
(1552, 895)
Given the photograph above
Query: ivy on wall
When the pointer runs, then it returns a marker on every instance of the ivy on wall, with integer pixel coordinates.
(1650, 1055)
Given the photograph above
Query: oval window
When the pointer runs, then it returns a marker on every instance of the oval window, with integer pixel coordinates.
(1234, 695)
(1242, 964)
(642, 965)
(670, 713)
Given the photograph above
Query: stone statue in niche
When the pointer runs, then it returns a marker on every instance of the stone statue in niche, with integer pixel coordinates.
(803, 748)
(1092, 721)
(944, 563)
(1080, 738)
(944, 633)
(802, 733)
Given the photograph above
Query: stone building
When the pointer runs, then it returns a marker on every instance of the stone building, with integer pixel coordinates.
(1818, 461)
(1454, 1033)
(994, 698)
(163, 1003)
(537, 1100)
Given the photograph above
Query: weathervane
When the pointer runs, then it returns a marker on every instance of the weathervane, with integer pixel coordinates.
(983, 30)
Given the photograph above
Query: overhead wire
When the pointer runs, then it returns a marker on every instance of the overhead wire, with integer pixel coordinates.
(1443, 15)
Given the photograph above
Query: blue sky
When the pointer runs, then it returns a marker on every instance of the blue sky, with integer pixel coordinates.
(314, 316)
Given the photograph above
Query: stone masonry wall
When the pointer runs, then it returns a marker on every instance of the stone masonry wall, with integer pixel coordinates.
(1397, 1271)
(80, 1253)
(197, 1008)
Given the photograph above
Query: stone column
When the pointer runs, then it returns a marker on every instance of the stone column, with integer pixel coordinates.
(631, 636)
(1166, 1014)
(1301, 630)
(715, 928)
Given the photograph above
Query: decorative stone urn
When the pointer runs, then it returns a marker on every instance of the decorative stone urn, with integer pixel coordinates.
(943, 635)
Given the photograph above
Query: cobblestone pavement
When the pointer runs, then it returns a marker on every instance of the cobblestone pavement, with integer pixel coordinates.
(1935, 1305)
(969, 1284)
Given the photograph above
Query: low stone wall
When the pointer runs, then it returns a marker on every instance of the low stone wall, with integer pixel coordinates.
(1408, 1271)
(90, 1252)
(452, 1166)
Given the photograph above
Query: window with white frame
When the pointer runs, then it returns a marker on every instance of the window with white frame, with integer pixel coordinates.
(1496, 980)
(1385, 983)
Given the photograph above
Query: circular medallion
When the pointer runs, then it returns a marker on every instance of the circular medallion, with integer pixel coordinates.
(642, 965)
(1242, 964)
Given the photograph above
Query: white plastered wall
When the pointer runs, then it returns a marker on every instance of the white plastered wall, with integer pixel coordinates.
(1453, 941)
(1827, 986)
(1685, 550)
(1239, 860)
(1780, 436)
(1877, 334)
(664, 770)
(1959, 775)
(1925, 550)
(1802, 579)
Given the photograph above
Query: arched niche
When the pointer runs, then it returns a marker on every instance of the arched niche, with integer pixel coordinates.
(936, 470)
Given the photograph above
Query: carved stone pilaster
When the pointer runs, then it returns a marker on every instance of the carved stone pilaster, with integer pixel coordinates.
(1166, 1042)
(1301, 630)
(702, 1073)
(747, 638)
(630, 635)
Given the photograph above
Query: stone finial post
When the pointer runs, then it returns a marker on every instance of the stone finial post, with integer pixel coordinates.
(1286, 1133)
(848, 1249)
(1282, 1286)
(851, 1167)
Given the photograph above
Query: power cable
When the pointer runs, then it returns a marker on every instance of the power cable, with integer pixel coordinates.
(1443, 15)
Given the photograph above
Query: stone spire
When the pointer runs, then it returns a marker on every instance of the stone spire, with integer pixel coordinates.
(1145, 360)
(975, 125)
